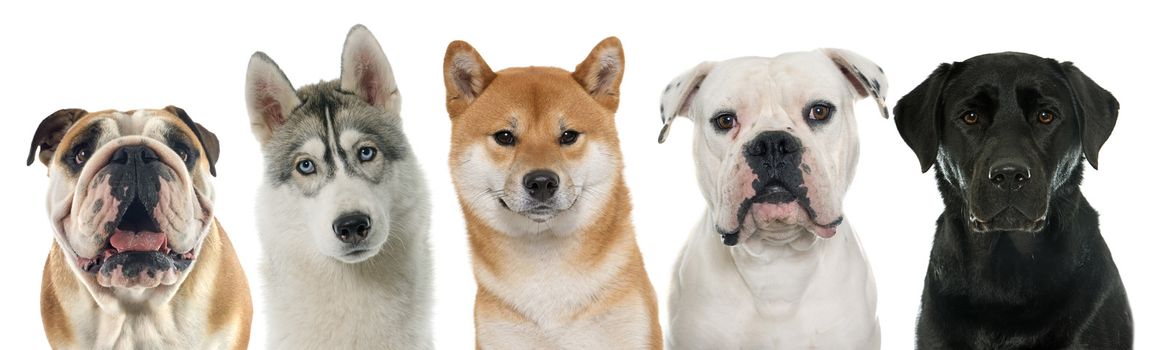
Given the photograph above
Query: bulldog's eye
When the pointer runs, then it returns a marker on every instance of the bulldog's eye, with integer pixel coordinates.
(1046, 117)
(366, 154)
(184, 154)
(724, 121)
(81, 157)
(504, 138)
(819, 112)
(306, 167)
(970, 118)
(569, 137)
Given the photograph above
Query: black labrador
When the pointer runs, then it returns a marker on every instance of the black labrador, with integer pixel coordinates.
(1018, 261)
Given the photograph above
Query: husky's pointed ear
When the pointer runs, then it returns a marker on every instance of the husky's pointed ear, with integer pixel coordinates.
(865, 77)
(1097, 108)
(50, 132)
(917, 119)
(366, 71)
(678, 94)
(466, 75)
(206, 139)
(600, 73)
(269, 96)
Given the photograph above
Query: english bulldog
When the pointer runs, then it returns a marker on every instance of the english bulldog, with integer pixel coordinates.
(773, 264)
(138, 260)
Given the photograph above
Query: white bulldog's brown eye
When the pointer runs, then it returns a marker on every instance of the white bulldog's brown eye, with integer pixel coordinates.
(724, 121)
(819, 112)
(81, 157)
(970, 117)
(1045, 117)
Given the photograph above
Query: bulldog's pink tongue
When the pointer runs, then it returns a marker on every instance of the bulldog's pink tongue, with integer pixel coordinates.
(143, 241)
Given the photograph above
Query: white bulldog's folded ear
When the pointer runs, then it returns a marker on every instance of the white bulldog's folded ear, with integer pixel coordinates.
(366, 71)
(678, 94)
(269, 96)
(865, 76)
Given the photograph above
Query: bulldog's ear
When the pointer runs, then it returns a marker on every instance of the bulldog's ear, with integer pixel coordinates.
(1097, 108)
(917, 116)
(600, 73)
(207, 139)
(270, 98)
(865, 77)
(366, 71)
(466, 75)
(678, 94)
(48, 135)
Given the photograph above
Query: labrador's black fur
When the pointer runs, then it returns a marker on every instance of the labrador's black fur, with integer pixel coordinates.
(1018, 261)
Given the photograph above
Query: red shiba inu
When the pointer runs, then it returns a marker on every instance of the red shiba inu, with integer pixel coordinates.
(537, 167)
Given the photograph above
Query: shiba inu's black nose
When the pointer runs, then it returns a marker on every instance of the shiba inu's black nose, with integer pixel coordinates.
(541, 184)
(352, 228)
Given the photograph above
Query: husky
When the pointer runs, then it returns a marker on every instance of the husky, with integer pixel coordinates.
(343, 211)
(536, 164)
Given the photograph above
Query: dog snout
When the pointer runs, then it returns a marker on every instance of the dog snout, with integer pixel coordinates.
(1009, 174)
(541, 184)
(136, 154)
(771, 149)
(352, 228)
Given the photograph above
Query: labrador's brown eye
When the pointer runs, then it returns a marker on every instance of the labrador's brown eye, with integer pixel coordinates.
(1045, 117)
(970, 118)
(724, 121)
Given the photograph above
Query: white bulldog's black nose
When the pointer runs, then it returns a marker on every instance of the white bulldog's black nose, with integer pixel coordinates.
(541, 184)
(770, 148)
(352, 228)
(1009, 174)
(137, 154)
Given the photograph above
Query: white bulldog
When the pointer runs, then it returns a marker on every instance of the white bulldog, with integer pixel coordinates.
(776, 148)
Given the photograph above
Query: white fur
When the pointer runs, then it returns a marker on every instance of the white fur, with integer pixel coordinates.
(781, 287)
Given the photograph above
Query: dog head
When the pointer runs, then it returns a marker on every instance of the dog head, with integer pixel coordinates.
(534, 149)
(130, 198)
(775, 140)
(1007, 131)
(332, 151)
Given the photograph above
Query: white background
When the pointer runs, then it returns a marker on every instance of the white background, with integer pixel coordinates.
(148, 56)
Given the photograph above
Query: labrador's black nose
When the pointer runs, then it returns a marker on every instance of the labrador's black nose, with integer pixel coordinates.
(541, 184)
(1009, 174)
(352, 228)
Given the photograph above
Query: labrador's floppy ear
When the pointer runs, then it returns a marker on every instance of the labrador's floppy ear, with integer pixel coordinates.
(207, 139)
(601, 72)
(865, 77)
(466, 75)
(917, 119)
(1096, 106)
(366, 71)
(678, 94)
(50, 132)
(270, 97)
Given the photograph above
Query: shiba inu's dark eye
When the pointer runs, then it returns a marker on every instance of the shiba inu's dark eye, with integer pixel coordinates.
(569, 137)
(819, 112)
(1045, 117)
(306, 167)
(970, 117)
(366, 154)
(724, 121)
(504, 138)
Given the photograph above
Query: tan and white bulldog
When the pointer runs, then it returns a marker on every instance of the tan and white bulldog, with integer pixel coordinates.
(138, 260)
(775, 145)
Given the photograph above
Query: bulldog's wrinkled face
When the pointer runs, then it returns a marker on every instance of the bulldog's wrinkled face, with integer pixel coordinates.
(776, 143)
(129, 195)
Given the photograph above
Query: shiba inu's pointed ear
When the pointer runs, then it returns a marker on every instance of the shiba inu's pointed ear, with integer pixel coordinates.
(866, 77)
(600, 73)
(50, 132)
(207, 139)
(366, 71)
(269, 96)
(678, 94)
(1099, 111)
(465, 76)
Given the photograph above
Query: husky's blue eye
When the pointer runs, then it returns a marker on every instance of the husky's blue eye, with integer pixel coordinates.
(366, 154)
(306, 167)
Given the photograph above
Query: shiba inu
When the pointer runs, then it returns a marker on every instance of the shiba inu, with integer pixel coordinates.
(537, 167)
(139, 260)
(343, 210)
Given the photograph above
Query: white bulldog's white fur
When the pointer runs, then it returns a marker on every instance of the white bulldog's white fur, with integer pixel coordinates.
(781, 286)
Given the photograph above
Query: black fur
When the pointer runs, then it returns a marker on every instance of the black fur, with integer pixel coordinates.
(1055, 287)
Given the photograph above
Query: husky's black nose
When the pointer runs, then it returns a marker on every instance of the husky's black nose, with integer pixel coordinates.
(352, 228)
(541, 184)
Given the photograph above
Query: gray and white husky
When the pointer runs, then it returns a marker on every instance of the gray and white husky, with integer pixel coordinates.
(343, 209)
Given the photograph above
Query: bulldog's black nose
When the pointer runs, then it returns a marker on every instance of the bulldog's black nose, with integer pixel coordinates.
(139, 154)
(352, 228)
(541, 184)
(1009, 175)
(773, 147)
